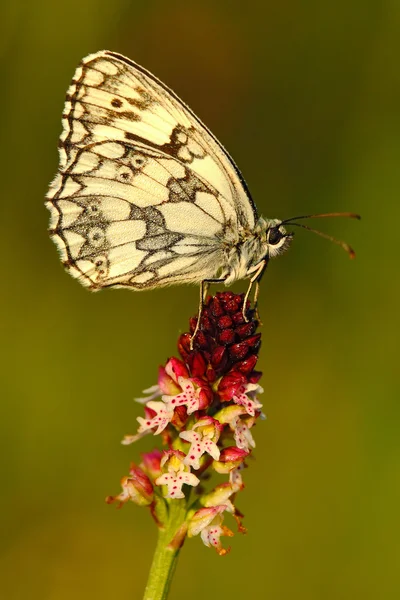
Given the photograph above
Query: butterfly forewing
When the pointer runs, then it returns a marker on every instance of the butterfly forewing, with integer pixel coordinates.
(145, 195)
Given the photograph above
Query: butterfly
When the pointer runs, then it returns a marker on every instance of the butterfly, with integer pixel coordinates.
(145, 195)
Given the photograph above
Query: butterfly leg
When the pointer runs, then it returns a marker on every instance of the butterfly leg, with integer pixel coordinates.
(204, 286)
(255, 279)
(256, 293)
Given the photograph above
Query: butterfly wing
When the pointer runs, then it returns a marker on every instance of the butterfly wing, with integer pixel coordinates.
(145, 195)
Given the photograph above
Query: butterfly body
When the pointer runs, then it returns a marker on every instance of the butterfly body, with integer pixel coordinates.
(145, 195)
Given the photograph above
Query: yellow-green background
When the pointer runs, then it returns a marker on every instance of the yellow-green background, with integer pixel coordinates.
(306, 97)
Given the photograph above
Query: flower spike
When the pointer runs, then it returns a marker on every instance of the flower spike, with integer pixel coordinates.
(204, 407)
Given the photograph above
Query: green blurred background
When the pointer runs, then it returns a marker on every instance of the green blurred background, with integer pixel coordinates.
(306, 97)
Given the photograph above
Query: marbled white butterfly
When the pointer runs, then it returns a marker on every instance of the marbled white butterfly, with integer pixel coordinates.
(145, 195)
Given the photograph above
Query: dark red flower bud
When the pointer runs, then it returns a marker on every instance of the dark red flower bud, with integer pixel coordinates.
(238, 318)
(224, 322)
(239, 351)
(227, 336)
(246, 329)
(211, 374)
(255, 376)
(215, 307)
(230, 385)
(184, 345)
(219, 357)
(206, 326)
(232, 453)
(254, 341)
(197, 364)
(247, 365)
(205, 398)
(201, 340)
(232, 305)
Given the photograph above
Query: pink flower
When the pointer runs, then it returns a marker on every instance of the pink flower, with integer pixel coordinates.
(136, 487)
(230, 458)
(231, 385)
(242, 434)
(176, 475)
(167, 380)
(194, 395)
(208, 522)
(246, 396)
(151, 462)
(240, 424)
(188, 396)
(163, 415)
(203, 440)
(175, 369)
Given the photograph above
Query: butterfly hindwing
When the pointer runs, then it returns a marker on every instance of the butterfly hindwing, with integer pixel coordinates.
(123, 219)
(144, 194)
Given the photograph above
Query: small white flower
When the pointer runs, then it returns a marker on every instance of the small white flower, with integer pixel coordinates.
(178, 474)
(163, 416)
(201, 442)
(188, 397)
(248, 398)
(242, 434)
(208, 522)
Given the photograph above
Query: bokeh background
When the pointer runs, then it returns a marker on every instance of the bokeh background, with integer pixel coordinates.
(306, 97)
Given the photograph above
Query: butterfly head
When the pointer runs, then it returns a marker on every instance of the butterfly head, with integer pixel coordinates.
(271, 238)
(277, 239)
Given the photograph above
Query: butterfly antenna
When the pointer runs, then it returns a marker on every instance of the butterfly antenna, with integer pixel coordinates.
(349, 215)
(340, 243)
(345, 246)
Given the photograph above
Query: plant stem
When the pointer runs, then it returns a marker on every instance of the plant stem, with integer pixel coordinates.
(170, 540)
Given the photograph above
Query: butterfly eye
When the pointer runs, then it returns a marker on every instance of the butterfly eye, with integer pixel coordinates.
(274, 236)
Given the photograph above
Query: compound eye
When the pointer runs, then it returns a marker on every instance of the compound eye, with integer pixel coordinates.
(274, 236)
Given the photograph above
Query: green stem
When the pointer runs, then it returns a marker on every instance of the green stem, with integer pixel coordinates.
(170, 540)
